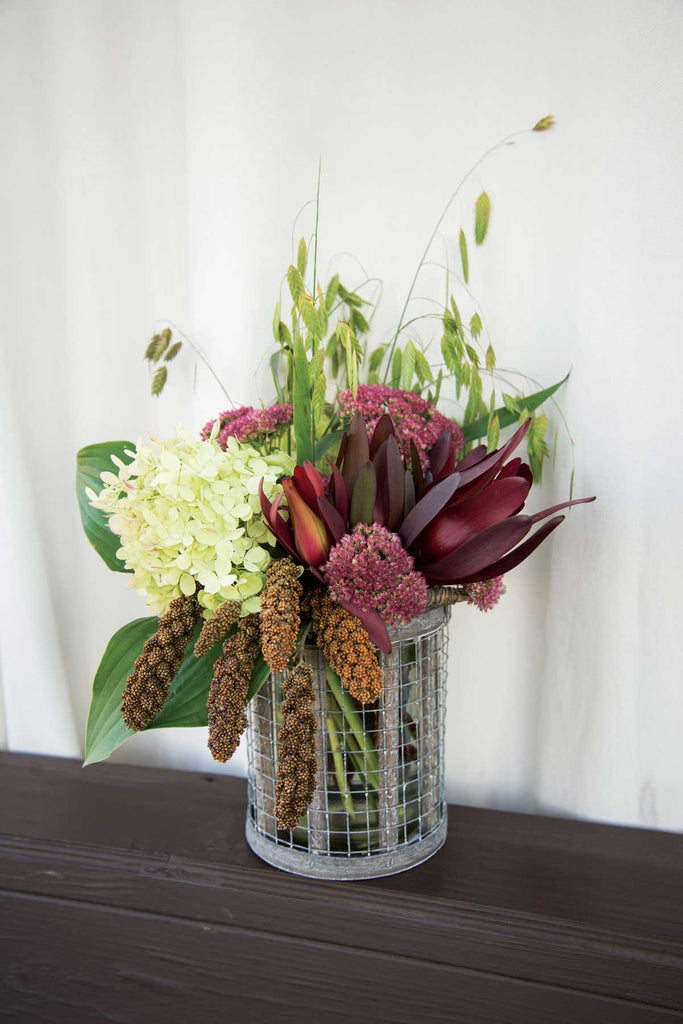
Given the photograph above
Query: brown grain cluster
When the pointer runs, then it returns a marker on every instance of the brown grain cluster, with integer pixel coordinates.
(215, 628)
(347, 647)
(230, 687)
(296, 759)
(280, 615)
(149, 684)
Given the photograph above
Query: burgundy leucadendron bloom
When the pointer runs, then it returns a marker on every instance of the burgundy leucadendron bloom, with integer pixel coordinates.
(414, 418)
(248, 423)
(475, 534)
(370, 568)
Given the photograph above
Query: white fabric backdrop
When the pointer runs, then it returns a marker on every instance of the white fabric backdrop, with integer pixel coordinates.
(154, 157)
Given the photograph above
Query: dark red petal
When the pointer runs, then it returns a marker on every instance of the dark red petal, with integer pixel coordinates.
(305, 488)
(364, 494)
(426, 508)
(276, 524)
(339, 492)
(454, 527)
(537, 516)
(395, 484)
(513, 558)
(409, 493)
(383, 430)
(439, 452)
(495, 459)
(476, 554)
(333, 521)
(372, 622)
(475, 456)
(416, 465)
(357, 450)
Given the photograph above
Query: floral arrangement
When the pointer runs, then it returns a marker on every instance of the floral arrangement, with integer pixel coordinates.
(346, 507)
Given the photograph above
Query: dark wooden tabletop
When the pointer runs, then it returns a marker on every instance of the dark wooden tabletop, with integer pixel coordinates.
(129, 894)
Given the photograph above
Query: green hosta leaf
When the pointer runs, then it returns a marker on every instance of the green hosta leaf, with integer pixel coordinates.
(544, 124)
(473, 431)
(158, 380)
(296, 284)
(173, 351)
(408, 365)
(185, 707)
(463, 257)
(90, 462)
(302, 416)
(482, 212)
(475, 326)
(301, 258)
(490, 358)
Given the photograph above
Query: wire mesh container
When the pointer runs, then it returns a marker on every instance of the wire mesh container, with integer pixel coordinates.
(379, 804)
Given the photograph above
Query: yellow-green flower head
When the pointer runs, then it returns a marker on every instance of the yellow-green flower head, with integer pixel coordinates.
(189, 517)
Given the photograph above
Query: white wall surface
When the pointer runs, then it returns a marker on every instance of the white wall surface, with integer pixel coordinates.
(154, 157)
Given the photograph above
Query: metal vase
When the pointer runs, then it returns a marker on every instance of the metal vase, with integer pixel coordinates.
(379, 804)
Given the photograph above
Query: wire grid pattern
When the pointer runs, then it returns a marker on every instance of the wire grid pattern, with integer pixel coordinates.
(380, 780)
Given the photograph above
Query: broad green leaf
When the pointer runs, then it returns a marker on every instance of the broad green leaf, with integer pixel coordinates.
(302, 416)
(482, 211)
(185, 707)
(275, 373)
(463, 257)
(408, 366)
(475, 326)
(301, 258)
(473, 431)
(90, 462)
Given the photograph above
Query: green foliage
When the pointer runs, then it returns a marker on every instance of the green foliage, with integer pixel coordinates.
(475, 326)
(185, 707)
(463, 257)
(302, 404)
(482, 211)
(90, 463)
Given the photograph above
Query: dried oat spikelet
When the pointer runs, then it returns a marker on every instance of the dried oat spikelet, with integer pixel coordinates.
(347, 647)
(297, 763)
(280, 616)
(230, 688)
(215, 628)
(149, 684)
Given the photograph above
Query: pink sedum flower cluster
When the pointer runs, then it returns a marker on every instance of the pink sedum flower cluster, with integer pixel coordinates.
(486, 594)
(248, 423)
(414, 418)
(371, 569)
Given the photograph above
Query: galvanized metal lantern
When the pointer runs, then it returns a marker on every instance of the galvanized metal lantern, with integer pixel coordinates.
(379, 804)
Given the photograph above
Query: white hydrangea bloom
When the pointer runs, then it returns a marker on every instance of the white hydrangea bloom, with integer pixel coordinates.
(189, 518)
